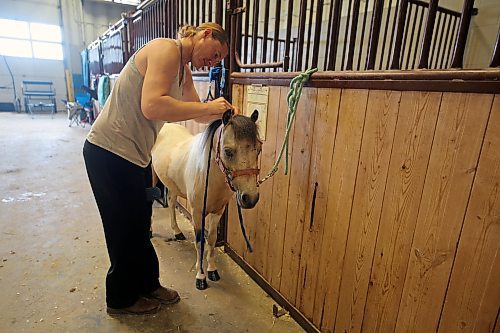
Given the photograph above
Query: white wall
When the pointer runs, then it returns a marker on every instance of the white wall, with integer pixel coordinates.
(83, 22)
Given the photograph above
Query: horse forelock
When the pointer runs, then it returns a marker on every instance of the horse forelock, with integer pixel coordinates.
(244, 128)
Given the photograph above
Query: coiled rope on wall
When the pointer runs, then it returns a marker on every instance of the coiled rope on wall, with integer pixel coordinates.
(292, 99)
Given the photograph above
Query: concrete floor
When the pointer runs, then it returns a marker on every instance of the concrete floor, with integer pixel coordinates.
(53, 258)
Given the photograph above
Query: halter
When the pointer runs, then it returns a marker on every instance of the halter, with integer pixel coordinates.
(229, 175)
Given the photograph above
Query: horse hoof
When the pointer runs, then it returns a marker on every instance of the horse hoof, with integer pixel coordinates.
(213, 275)
(201, 284)
(180, 236)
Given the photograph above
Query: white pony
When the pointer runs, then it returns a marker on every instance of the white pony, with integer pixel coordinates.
(179, 160)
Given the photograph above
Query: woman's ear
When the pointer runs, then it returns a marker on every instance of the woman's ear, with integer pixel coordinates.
(207, 33)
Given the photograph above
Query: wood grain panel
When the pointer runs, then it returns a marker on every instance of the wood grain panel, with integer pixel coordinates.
(410, 156)
(454, 157)
(343, 171)
(376, 147)
(278, 220)
(297, 194)
(323, 139)
(234, 237)
(268, 158)
(473, 298)
(249, 215)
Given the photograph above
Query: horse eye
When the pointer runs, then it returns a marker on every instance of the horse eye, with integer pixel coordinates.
(228, 152)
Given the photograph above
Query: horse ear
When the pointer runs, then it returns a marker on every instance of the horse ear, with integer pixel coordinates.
(227, 116)
(254, 116)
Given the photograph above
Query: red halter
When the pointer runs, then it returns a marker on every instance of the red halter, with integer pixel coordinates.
(229, 175)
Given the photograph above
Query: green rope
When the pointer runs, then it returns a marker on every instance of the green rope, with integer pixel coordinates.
(293, 99)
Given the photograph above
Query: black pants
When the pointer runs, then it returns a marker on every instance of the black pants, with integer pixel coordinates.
(119, 188)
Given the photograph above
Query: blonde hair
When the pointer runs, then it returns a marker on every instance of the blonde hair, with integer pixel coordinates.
(217, 32)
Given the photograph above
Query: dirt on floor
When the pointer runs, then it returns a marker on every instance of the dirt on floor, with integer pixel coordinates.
(53, 258)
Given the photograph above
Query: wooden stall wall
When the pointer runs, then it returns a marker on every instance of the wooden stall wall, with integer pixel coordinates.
(389, 217)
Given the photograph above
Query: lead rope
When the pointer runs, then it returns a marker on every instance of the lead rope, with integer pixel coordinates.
(204, 210)
(293, 99)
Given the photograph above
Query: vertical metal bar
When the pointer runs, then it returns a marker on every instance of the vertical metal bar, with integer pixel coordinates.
(334, 37)
(203, 10)
(239, 25)
(396, 55)
(309, 30)
(452, 42)
(463, 30)
(302, 23)
(276, 30)
(266, 31)
(446, 48)
(317, 33)
(178, 17)
(434, 40)
(192, 13)
(247, 30)
(393, 34)
(374, 34)
(157, 22)
(352, 34)
(174, 14)
(385, 35)
(411, 36)
(407, 29)
(218, 12)
(495, 58)
(209, 12)
(429, 29)
(181, 10)
(162, 15)
(255, 30)
(418, 37)
(440, 44)
(197, 12)
(329, 30)
(347, 24)
(286, 58)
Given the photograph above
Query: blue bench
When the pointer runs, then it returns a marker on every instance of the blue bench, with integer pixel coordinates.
(39, 96)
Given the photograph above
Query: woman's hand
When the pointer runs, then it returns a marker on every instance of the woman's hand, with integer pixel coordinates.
(219, 105)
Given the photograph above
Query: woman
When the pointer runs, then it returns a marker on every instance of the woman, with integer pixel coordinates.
(154, 86)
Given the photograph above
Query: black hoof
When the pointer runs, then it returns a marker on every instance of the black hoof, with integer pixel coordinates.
(213, 275)
(180, 236)
(201, 284)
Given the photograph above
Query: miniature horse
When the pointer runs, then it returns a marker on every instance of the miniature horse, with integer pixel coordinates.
(179, 160)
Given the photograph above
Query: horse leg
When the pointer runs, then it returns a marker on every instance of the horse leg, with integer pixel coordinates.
(201, 280)
(171, 200)
(212, 273)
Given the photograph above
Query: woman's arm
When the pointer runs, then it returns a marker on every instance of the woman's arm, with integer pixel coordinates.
(162, 61)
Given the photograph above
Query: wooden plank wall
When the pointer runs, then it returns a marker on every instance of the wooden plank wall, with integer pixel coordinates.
(389, 217)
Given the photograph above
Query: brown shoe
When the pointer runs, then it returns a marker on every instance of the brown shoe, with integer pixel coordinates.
(164, 295)
(143, 306)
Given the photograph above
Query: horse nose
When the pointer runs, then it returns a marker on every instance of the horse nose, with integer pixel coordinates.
(249, 201)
